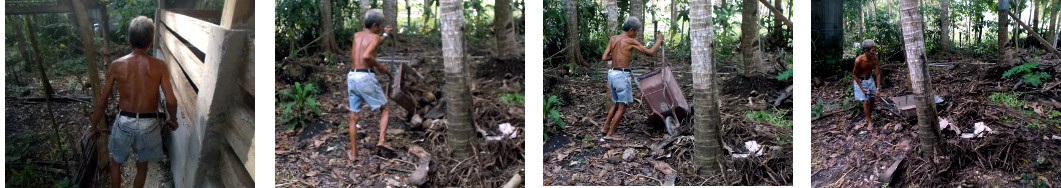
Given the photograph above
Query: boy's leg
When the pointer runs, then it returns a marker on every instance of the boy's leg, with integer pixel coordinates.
(615, 121)
(353, 137)
(383, 127)
(608, 119)
(867, 107)
(141, 174)
(116, 174)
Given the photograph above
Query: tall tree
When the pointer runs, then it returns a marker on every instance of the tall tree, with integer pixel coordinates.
(327, 31)
(88, 43)
(944, 20)
(390, 12)
(504, 29)
(459, 134)
(637, 10)
(1054, 8)
(613, 16)
(749, 42)
(105, 30)
(914, 40)
(365, 5)
(574, 56)
(707, 145)
(1003, 36)
(777, 23)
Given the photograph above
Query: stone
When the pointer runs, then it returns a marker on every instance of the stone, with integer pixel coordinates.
(629, 153)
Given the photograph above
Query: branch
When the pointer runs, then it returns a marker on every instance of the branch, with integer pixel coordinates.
(777, 13)
(1048, 46)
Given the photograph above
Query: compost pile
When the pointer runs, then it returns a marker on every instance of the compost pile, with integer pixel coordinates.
(315, 155)
(576, 155)
(1021, 149)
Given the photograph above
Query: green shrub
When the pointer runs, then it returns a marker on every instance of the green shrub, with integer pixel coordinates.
(293, 113)
(1025, 70)
(511, 98)
(1011, 99)
(774, 117)
(785, 75)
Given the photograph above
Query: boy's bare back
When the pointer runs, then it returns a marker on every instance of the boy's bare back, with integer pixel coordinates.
(621, 46)
(139, 77)
(363, 54)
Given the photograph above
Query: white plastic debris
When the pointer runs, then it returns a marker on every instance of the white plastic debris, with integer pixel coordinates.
(980, 130)
(753, 148)
(506, 130)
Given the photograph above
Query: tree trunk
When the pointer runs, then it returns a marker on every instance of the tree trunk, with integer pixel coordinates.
(574, 56)
(48, 91)
(1053, 22)
(459, 134)
(613, 17)
(913, 38)
(673, 17)
(365, 5)
(1003, 37)
(390, 13)
(504, 31)
(90, 48)
(105, 31)
(861, 21)
(707, 148)
(637, 10)
(753, 58)
(777, 24)
(1035, 16)
(327, 30)
(945, 25)
(35, 56)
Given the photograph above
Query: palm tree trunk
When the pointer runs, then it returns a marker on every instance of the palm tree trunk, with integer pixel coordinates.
(707, 147)
(390, 13)
(365, 5)
(753, 58)
(327, 31)
(574, 56)
(613, 17)
(1053, 22)
(945, 25)
(637, 10)
(105, 31)
(920, 79)
(459, 134)
(506, 39)
(1003, 37)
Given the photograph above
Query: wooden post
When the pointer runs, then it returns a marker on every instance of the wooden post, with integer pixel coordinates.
(1045, 44)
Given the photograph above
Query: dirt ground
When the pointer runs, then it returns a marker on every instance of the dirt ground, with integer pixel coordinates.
(315, 155)
(30, 137)
(1022, 151)
(577, 155)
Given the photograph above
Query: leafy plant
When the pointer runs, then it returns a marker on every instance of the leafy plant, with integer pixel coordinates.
(293, 113)
(1010, 99)
(785, 75)
(1025, 70)
(775, 117)
(511, 98)
(551, 108)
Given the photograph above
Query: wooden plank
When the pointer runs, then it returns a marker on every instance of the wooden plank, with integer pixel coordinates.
(777, 13)
(240, 134)
(212, 16)
(182, 89)
(192, 65)
(11, 8)
(195, 31)
(233, 174)
(248, 77)
(235, 12)
(1049, 46)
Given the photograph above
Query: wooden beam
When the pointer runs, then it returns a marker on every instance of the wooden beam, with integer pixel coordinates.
(191, 63)
(240, 135)
(1049, 46)
(232, 173)
(248, 77)
(182, 89)
(777, 13)
(235, 12)
(12, 8)
(195, 31)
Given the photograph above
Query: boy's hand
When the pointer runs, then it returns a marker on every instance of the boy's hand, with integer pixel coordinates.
(387, 29)
(659, 37)
(864, 90)
(95, 131)
(877, 93)
(171, 123)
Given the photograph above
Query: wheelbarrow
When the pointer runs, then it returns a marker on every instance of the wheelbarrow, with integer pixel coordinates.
(405, 88)
(661, 92)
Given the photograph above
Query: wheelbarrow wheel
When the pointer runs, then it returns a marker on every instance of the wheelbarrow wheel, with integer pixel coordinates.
(672, 125)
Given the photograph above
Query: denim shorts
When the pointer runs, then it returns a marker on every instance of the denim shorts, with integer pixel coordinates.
(362, 87)
(142, 135)
(622, 90)
(870, 86)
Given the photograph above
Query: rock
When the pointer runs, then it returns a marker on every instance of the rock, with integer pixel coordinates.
(629, 153)
(395, 131)
(889, 174)
(898, 127)
(416, 120)
(612, 160)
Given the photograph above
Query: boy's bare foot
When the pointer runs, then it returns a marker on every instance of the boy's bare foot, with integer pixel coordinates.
(384, 145)
(353, 156)
(616, 138)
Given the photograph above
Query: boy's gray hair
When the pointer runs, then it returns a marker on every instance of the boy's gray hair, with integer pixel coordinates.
(867, 44)
(631, 23)
(373, 17)
(141, 32)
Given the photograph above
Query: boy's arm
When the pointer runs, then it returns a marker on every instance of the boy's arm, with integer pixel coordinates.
(651, 51)
(607, 52)
(855, 77)
(368, 55)
(101, 105)
(171, 100)
(877, 92)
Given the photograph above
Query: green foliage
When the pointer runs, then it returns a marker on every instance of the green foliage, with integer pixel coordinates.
(511, 98)
(1011, 99)
(819, 107)
(784, 75)
(552, 106)
(774, 117)
(1025, 70)
(293, 113)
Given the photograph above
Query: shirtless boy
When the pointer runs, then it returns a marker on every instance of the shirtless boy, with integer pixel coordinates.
(867, 79)
(138, 77)
(362, 86)
(619, 75)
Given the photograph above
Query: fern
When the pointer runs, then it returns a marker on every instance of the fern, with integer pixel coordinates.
(785, 75)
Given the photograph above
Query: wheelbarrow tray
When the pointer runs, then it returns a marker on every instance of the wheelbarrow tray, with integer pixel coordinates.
(400, 91)
(661, 92)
